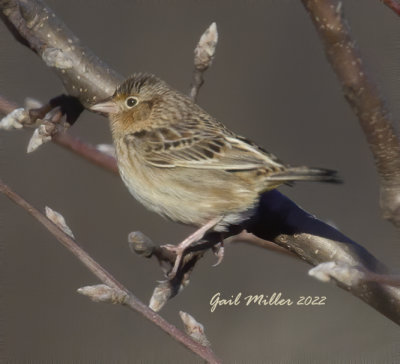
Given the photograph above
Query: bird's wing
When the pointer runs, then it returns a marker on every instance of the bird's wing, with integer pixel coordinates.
(200, 148)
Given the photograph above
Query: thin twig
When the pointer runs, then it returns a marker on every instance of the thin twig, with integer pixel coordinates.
(246, 238)
(167, 289)
(363, 96)
(85, 150)
(203, 56)
(393, 4)
(131, 301)
(6, 106)
(278, 219)
(197, 82)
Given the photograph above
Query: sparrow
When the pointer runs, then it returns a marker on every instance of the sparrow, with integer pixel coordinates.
(183, 164)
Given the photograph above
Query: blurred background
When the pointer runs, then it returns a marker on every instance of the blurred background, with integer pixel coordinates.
(270, 81)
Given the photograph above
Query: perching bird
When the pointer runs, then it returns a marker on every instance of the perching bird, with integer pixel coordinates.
(180, 162)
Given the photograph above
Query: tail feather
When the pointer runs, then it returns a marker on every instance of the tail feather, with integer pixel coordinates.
(306, 174)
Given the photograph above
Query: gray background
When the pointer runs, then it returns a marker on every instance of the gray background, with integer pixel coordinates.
(271, 82)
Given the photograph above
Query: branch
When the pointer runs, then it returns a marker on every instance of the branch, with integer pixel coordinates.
(203, 56)
(129, 298)
(139, 243)
(393, 4)
(363, 96)
(83, 74)
(351, 275)
(85, 150)
(167, 289)
(6, 106)
(246, 238)
(278, 219)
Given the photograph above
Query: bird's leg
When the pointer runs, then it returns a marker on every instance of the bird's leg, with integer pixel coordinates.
(180, 249)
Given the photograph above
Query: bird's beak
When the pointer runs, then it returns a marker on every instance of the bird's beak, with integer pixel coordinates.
(106, 107)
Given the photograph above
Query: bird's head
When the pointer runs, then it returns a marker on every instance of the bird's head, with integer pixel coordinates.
(133, 101)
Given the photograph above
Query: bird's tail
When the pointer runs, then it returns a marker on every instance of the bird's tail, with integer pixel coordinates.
(292, 174)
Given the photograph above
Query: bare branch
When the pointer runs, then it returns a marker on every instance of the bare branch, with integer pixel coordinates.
(194, 328)
(13, 19)
(6, 106)
(104, 293)
(312, 247)
(129, 300)
(85, 150)
(59, 220)
(363, 96)
(203, 56)
(246, 238)
(387, 279)
(278, 219)
(83, 74)
(14, 120)
(107, 149)
(166, 289)
(350, 275)
(281, 221)
(51, 125)
(40, 136)
(343, 273)
(393, 4)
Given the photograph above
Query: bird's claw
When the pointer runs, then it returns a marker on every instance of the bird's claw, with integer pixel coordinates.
(219, 252)
(180, 249)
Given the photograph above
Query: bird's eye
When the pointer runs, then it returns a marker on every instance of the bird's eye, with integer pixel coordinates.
(131, 101)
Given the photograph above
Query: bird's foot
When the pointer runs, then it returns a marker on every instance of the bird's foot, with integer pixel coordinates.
(179, 250)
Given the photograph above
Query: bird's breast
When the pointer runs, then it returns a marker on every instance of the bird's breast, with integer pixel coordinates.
(187, 195)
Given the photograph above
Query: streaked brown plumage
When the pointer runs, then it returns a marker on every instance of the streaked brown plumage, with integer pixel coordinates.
(180, 162)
